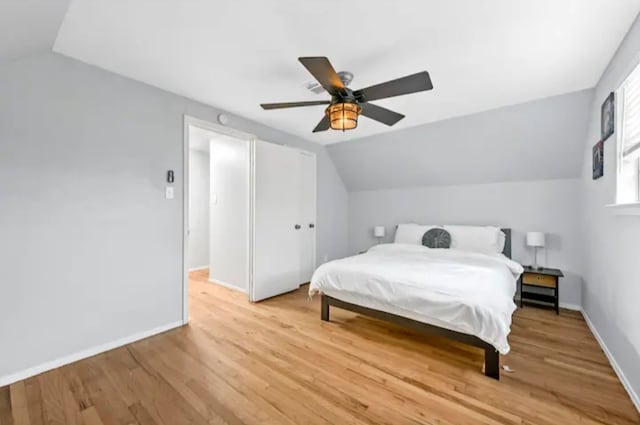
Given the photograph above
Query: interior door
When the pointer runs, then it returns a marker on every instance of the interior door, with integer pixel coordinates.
(276, 220)
(307, 211)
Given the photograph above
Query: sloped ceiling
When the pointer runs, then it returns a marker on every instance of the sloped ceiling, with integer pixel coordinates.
(538, 140)
(236, 54)
(29, 26)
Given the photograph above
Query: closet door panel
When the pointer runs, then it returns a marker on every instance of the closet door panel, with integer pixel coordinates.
(276, 242)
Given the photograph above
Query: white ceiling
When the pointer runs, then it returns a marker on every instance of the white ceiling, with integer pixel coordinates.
(237, 54)
(29, 26)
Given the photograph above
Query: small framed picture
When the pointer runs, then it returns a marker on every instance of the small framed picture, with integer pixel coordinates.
(607, 121)
(598, 160)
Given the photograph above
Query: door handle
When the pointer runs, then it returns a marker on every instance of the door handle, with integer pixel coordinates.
(297, 227)
(311, 225)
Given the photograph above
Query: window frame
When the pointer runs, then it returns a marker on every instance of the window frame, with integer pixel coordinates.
(621, 197)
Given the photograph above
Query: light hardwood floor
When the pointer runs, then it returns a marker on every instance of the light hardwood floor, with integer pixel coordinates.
(276, 363)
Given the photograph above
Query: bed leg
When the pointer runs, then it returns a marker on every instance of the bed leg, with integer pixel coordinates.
(492, 363)
(324, 308)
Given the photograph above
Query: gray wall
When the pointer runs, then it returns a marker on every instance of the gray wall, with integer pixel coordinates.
(531, 141)
(612, 242)
(91, 251)
(550, 206)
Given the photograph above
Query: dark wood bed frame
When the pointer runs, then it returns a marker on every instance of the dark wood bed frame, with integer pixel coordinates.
(491, 355)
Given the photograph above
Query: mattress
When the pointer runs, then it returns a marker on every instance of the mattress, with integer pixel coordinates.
(458, 290)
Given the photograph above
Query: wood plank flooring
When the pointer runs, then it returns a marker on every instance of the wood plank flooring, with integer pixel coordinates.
(276, 363)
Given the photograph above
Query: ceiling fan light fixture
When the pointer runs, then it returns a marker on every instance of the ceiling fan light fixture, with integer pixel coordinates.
(343, 116)
(346, 104)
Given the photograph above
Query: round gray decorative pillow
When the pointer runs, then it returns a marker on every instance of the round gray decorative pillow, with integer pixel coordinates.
(436, 238)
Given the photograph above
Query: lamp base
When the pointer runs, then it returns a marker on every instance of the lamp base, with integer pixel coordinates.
(535, 265)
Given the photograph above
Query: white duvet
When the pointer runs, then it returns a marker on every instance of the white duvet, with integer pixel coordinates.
(459, 290)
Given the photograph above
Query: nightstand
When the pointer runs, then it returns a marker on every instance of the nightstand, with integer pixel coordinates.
(541, 278)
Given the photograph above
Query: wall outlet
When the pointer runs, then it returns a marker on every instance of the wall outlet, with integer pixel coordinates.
(168, 192)
(325, 258)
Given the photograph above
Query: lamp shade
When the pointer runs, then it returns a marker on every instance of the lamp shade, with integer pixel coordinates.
(378, 231)
(343, 116)
(535, 239)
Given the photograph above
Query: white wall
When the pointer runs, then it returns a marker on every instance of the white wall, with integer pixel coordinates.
(229, 195)
(91, 252)
(198, 253)
(612, 242)
(550, 206)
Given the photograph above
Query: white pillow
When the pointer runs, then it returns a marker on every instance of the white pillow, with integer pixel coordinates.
(411, 233)
(483, 239)
(502, 240)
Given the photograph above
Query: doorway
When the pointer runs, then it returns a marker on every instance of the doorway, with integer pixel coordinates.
(217, 206)
(260, 201)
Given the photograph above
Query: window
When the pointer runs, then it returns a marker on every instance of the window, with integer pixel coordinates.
(628, 182)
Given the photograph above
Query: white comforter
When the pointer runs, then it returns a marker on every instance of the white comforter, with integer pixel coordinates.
(462, 291)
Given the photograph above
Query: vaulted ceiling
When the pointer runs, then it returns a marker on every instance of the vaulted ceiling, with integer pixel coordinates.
(29, 26)
(236, 54)
(539, 140)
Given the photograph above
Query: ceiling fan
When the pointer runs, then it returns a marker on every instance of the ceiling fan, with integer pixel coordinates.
(346, 105)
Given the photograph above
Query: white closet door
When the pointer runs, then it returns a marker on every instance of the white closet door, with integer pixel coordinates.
(276, 240)
(307, 208)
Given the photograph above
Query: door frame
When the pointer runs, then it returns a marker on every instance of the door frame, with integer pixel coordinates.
(226, 131)
(315, 205)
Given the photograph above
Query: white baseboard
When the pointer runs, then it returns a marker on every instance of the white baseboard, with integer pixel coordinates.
(53, 364)
(616, 368)
(568, 306)
(197, 269)
(227, 285)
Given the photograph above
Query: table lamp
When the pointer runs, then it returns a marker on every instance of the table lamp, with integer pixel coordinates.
(535, 240)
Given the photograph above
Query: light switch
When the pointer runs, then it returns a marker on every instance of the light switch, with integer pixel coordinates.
(168, 192)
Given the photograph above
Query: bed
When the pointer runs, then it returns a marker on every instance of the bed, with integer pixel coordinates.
(462, 295)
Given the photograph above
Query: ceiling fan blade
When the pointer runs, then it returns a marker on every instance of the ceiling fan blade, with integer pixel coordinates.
(380, 114)
(405, 85)
(323, 71)
(323, 125)
(293, 104)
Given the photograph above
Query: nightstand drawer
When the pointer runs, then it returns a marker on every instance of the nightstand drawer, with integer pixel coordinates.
(539, 280)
